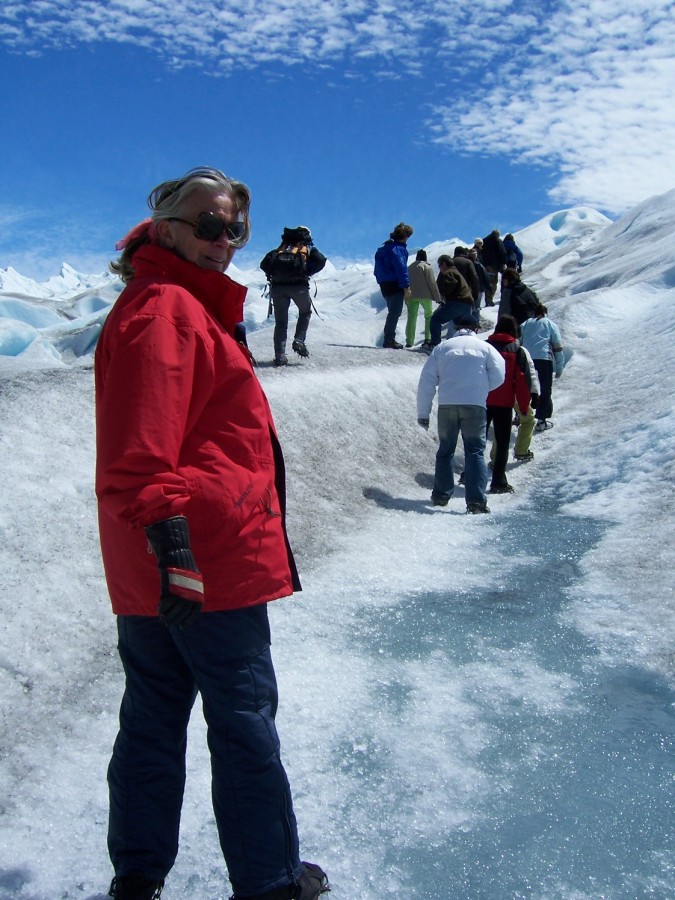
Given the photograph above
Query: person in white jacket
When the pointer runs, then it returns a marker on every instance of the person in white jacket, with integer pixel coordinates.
(463, 370)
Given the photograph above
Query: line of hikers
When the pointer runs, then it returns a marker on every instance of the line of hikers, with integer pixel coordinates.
(467, 278)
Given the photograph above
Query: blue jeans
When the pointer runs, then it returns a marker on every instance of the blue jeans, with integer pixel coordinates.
(224, 656)
(449, 312)
(395, 308)
(469, 421)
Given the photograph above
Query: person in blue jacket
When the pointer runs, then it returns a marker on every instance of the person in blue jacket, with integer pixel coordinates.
(391, 273)
(514, 255)
(541, 337)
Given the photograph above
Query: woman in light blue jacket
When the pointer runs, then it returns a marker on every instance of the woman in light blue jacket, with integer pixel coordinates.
(541, 337)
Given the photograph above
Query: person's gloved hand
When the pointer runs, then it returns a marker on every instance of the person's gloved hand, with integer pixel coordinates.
(534, 400)
(424, 423)
(181, 583)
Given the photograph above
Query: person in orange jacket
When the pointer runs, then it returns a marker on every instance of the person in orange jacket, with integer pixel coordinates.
(191, 499)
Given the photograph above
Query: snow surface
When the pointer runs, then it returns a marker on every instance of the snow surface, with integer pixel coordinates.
(471, 707)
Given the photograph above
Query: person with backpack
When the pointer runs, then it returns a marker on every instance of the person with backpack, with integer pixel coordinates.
(514, 255)
(424, 293)
(456, 299)
(515, 391)
(493, 257)
(288, 269)
(542, 338)
(391, 273)
(517, 299)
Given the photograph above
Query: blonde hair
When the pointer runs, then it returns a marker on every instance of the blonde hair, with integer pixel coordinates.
(166, 201)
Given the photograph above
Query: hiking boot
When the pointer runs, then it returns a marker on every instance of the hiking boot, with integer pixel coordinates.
(439, 499)
(477, 507)
(461, 479)
(281, 360)
(300, 348)
(543, 425)
(524, 457)
(392, 345)
(135, 887)
(313, 882)
(501, 489)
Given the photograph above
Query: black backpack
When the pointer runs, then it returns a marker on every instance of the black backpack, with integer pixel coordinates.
(288, 263)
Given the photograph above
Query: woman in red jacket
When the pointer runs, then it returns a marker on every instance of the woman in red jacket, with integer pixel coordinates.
(190, 484)
(515, 390)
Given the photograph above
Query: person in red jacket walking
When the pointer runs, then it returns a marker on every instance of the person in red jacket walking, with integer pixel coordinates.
(191, 499)
(514, 391)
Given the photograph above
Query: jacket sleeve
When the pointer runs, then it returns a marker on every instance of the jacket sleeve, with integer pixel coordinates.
(315, 261)
(426, 387)
(557, 349)
(521, 384)
(531, 373)
(431, 281)
(399, 258)
(266, 263)
(151, 398)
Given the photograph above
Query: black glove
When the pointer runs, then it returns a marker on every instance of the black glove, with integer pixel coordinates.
(424, 423)
(182, 586)
(534, 398)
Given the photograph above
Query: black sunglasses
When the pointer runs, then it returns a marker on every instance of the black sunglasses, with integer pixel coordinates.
(210, 226)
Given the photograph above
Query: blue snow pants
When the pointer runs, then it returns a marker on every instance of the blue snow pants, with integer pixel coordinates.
(225, 657)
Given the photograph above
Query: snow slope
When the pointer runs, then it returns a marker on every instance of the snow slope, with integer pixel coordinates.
(469, 708)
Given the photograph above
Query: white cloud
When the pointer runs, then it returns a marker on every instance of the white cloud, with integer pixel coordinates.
(593, 99)
(581, 86)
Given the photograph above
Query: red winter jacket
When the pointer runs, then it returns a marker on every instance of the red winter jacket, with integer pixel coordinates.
(515, 388)
(184, 428)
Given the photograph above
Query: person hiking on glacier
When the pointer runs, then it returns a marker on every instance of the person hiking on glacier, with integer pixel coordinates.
(191, 502)
(288, 269)
(391, 273)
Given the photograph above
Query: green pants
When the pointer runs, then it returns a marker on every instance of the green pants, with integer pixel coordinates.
(411, 325)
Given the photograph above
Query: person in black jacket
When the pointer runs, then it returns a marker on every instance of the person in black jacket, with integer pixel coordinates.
(517, 299)
(494, 260)
(288, 268)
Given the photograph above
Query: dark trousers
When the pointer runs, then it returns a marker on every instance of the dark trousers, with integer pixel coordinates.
(281, 295)
(544, 369)
(450, 311)
(225, 657)
(501, 418)
(394, 310)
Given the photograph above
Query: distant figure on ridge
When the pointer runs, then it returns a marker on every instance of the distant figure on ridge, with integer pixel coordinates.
(288, 268)
(514, 255)
(391, 273)
(424, 292)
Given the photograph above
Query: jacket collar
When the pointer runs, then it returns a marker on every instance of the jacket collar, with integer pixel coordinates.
(217, 292)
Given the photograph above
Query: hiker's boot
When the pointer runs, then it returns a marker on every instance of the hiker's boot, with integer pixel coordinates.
(312, 882)
(300, 348)
(135, 887)
(281, 360)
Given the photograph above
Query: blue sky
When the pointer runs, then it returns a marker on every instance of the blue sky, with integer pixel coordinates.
(344, 115)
